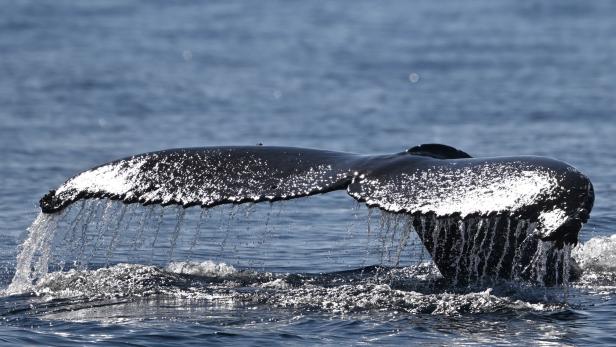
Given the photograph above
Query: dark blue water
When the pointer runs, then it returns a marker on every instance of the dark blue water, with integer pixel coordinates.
(84, 83)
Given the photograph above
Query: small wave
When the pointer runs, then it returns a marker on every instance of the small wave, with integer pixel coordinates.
(278, 283)
(205, 268)
(121, 280)
(218, 283)
(381, 297)
(597, 258)
(597, 254)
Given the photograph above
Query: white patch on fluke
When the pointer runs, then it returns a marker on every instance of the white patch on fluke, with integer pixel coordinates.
(443, 190)
(203, 177)
(117, 179)
(551, 220)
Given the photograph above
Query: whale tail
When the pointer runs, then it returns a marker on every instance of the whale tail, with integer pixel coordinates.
(480, 218)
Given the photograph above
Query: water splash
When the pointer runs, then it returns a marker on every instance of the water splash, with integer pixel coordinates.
(36, 245)
(599, 254)
(596, 257)
(206, 268)
(101, 233)
(185, 263)
(336, 293)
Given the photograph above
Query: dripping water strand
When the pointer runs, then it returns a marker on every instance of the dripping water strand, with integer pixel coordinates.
(227, 228)
(384, 226)
(181, 211)
(101, 228)
(93, 210)
(499, 264)
(139, 238)
(517, 249)
(159, 222)
(115, 232)
(462, 227)
(264, 235)
(368, 236)
(202, 215)
(69, 236)
(394, 236)
(489, 250)
(406, 233)
(349, 234)
(566, 270)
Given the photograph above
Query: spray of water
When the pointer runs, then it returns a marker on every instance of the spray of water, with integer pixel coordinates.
(98, 233)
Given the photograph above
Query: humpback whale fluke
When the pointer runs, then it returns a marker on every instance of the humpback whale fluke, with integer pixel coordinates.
(478, 217)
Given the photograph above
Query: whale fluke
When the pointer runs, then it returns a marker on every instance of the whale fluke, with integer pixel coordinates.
(208, 177)
(544, 190)
(510, 204)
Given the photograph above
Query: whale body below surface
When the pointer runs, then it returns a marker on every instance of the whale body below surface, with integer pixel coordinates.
(480, 218)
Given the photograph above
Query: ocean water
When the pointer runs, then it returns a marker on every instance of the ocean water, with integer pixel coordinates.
(83, 83)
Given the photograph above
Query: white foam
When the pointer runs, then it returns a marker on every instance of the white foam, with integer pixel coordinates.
(138, 281)
(598, 253)
(276, 284)
(205, 268)
(113, 179)
(378, 297)
(120, 280)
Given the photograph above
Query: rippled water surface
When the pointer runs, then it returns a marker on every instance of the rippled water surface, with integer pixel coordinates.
(85, 83)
